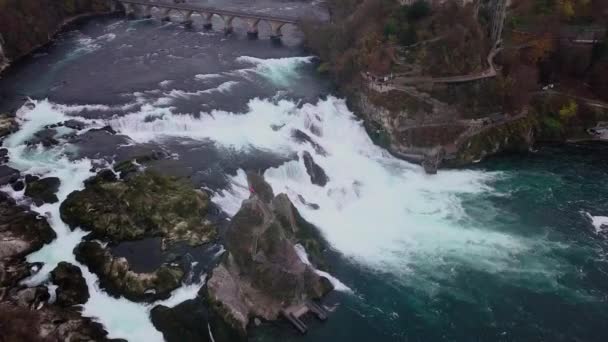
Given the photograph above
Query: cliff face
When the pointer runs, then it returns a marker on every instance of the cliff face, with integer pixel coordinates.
(28, 24)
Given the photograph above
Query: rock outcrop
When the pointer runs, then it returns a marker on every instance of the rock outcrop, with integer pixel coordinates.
(316, 173)
(71, 287)
(21, 232)
(145, 204)
(8, 175)
(49, 323)
(42, 190)
(7, 124)
(261, 274)
(514, 136)
(116, 277)
(435, 138)
(25, 314)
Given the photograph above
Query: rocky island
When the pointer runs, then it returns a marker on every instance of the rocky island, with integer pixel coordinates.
(170, 180)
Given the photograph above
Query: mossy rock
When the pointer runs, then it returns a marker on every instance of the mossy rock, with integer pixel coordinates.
(146, 204)
(513, 136)
(72, 287)
(118, 279)
(42, 190)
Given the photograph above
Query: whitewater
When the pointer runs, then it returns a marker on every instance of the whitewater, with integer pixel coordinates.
(381, 214)
(121, 317)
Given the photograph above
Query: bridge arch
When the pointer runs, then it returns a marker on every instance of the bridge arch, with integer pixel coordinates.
(252, 20)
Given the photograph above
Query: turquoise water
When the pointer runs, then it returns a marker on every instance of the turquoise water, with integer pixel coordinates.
(557, 291)
(503, 251)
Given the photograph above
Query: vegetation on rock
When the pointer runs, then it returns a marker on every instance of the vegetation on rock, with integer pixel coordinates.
(71, 287)
(261, 273)
(42, 190)
(117, 278)
(145, 204)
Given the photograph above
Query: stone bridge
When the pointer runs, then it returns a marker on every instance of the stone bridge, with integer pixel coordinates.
(276, 22)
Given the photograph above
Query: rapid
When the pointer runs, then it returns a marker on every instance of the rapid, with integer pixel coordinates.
(490, 251)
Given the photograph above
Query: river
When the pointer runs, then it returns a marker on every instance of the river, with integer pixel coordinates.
(511, 249)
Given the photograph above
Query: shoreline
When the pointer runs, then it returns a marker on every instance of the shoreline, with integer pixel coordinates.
(8, 63)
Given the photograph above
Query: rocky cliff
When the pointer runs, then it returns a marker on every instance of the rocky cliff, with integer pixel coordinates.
(262, 273)
(28, 24)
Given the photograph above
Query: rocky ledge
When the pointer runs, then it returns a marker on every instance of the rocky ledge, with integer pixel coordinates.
(26, 314)
(144, 204)
(262, 274)
(116, 277)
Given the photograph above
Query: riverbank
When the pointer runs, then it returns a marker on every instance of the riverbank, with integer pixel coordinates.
(27, 25)
(440, 102)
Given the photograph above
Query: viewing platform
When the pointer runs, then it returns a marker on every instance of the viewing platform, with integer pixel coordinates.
(295, 312)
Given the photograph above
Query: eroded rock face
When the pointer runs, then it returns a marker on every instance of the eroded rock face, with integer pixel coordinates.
(50, 323)
(116, 277)
(21, 232)
(143, 205)
(72, 288)
(261, 273)
(8, 175)
(24, 312)
(8, 124)
(42, 190)
(316, 173)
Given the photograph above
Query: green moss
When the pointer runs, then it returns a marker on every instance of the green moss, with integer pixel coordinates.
(514, 135)
(146, 204)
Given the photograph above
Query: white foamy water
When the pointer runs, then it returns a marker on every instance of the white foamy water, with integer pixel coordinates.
(205, 77)
(337, 284)
(121, 318)
(379, 211)
(280, 71)
(600, 223)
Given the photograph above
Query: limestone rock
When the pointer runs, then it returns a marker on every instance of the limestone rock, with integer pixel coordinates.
(72, 288)
(8, 175)
(3, 155)
(45, 137)
(192, 321)
(302, 138)
(316, 173)
(25, 314)
(7, 125)
(21, 231)
(42, 190)
(144, 205)
(262, 189)
(261, 273)
(116, 277)
(50, 323)
(29, 297)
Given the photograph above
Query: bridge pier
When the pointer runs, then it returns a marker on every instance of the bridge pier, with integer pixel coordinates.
(207, 24)
(165, 7)
(252, 32)
(147, 11)
(275, 28)
(129, 10)
(166, 14)
(188, 19)
(228, 28)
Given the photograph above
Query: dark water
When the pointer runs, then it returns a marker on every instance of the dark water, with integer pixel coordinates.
(534, 269)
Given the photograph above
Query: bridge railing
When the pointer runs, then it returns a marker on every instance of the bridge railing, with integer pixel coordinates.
(206, 9)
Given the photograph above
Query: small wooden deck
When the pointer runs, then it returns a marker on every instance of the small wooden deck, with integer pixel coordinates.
(295, 312)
